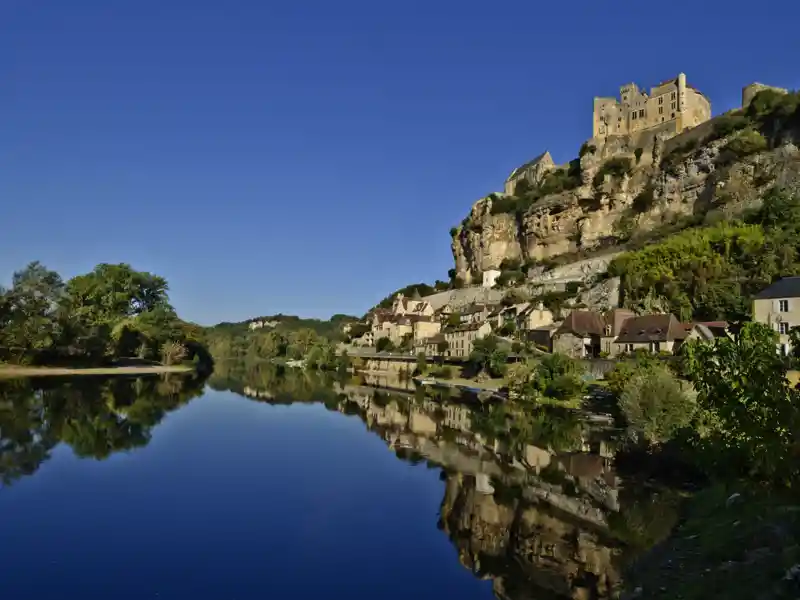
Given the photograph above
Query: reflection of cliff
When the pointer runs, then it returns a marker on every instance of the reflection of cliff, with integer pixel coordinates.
(534, 519)
(527, 547)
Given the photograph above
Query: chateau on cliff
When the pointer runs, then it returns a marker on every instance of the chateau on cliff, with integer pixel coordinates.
(671, 106)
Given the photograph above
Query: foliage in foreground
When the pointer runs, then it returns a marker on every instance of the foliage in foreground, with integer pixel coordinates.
(554, 377)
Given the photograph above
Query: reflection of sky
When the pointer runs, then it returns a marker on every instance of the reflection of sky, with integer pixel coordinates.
(233, 499)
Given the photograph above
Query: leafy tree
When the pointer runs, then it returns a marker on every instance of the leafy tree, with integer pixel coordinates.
(454, 319)
(742, 383)
(422, 363)
(384, 345)
(655, 404)
(487, 355)
(442, 346)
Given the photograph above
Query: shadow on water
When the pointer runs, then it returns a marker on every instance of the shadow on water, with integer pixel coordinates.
(95, 416)
(532, 499)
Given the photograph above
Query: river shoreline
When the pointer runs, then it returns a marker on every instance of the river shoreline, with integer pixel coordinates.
(11, 371)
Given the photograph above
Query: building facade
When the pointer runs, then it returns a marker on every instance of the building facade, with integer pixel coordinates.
(778, 306)
(672, 104)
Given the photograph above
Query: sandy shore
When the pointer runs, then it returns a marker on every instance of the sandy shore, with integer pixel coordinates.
(19, 371)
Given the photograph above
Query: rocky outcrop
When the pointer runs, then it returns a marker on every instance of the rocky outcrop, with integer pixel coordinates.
(680, 179)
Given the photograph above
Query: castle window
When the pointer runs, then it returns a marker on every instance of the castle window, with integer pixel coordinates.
(673, 95)
(673, 106)
(641, 113)
(633, 116)
(661, 111)
(661, 100)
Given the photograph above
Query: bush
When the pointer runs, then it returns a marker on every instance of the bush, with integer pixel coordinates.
(504, 204)
(728, 124)
(507, 278)
(749, 141)
(616, 167)
(384, 345)
(443, 372)
(656, 405)
(173, 353)
(453, 232)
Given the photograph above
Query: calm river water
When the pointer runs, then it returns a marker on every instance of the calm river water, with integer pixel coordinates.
(261, 485)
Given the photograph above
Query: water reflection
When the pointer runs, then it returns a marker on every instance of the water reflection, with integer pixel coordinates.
(531, 500)
(94, 416)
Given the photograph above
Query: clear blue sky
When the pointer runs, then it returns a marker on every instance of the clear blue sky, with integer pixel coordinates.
(308, 157)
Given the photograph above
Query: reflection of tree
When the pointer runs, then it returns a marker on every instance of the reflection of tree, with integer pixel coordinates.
(95, 417)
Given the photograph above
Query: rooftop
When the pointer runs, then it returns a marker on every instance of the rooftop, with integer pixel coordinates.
(651, 328)
(788, 287)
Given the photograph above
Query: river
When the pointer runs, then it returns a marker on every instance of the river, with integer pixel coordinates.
(257, 484)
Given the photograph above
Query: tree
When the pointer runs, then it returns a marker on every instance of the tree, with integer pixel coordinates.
(31, 315)
(422, 363)
(173, 353)
(742, 383)
(442, 346)
(454, 319)
(655, 404)
(384, 345)
(488, 356)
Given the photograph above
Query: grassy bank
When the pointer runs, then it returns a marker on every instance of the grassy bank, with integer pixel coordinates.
(8, 371)
(741, 545)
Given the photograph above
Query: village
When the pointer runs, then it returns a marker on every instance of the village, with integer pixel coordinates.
(425, 325)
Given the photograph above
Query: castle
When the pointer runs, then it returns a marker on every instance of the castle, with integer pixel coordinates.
(672, 106)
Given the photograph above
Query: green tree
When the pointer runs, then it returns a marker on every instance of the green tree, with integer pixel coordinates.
(384, 345)
(655, 404)
(488, 356)
(742, 383)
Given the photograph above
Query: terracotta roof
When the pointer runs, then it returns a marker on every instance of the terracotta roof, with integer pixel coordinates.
(651, 328)
(712, 324)
(470, 327)
(583, 322)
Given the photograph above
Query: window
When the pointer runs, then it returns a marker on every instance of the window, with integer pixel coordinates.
(783, 328)
(673, 95)
(673, 106)
(641, 113)
(655, 346)
(633, 116)
(783, 305)
(673, 115)
(661, 100)
(661, 110)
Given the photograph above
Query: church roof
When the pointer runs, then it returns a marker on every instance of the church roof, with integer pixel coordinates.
(530, 163)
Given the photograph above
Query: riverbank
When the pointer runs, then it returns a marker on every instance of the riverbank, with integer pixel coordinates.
(10, 371)
(746, 543)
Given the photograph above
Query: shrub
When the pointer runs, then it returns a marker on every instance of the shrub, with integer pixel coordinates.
(655, 405)
(384, 345)
(749, 141)
(504, 204)
(728, 124)
(509, 278)
(443, 372)
(453, 232)
(616, 167)
(173, 353)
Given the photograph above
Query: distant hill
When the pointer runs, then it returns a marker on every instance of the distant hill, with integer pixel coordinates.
(330, 328)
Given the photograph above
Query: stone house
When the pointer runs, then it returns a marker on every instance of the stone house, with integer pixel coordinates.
(430, 346)
(707, 331)
(503, 315)
(534, 316)
(403, 306)
(477, 313)
(579, 336)
(461, 339)
(532, 172)
(778, 306)
(588, 334)
(425, 327)
(654, 333)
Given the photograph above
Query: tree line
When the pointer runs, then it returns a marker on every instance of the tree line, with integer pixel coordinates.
(99, 318)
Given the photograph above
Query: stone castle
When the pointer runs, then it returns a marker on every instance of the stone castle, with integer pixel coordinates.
(672, 105)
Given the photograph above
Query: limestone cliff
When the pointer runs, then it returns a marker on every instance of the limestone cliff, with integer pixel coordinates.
(628, 187)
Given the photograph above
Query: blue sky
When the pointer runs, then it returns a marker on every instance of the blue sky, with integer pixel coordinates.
(309, 157)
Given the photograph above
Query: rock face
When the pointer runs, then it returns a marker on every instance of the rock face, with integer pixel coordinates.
(680, 178)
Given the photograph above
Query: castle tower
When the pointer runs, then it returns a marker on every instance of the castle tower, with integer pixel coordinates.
(681, 102)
